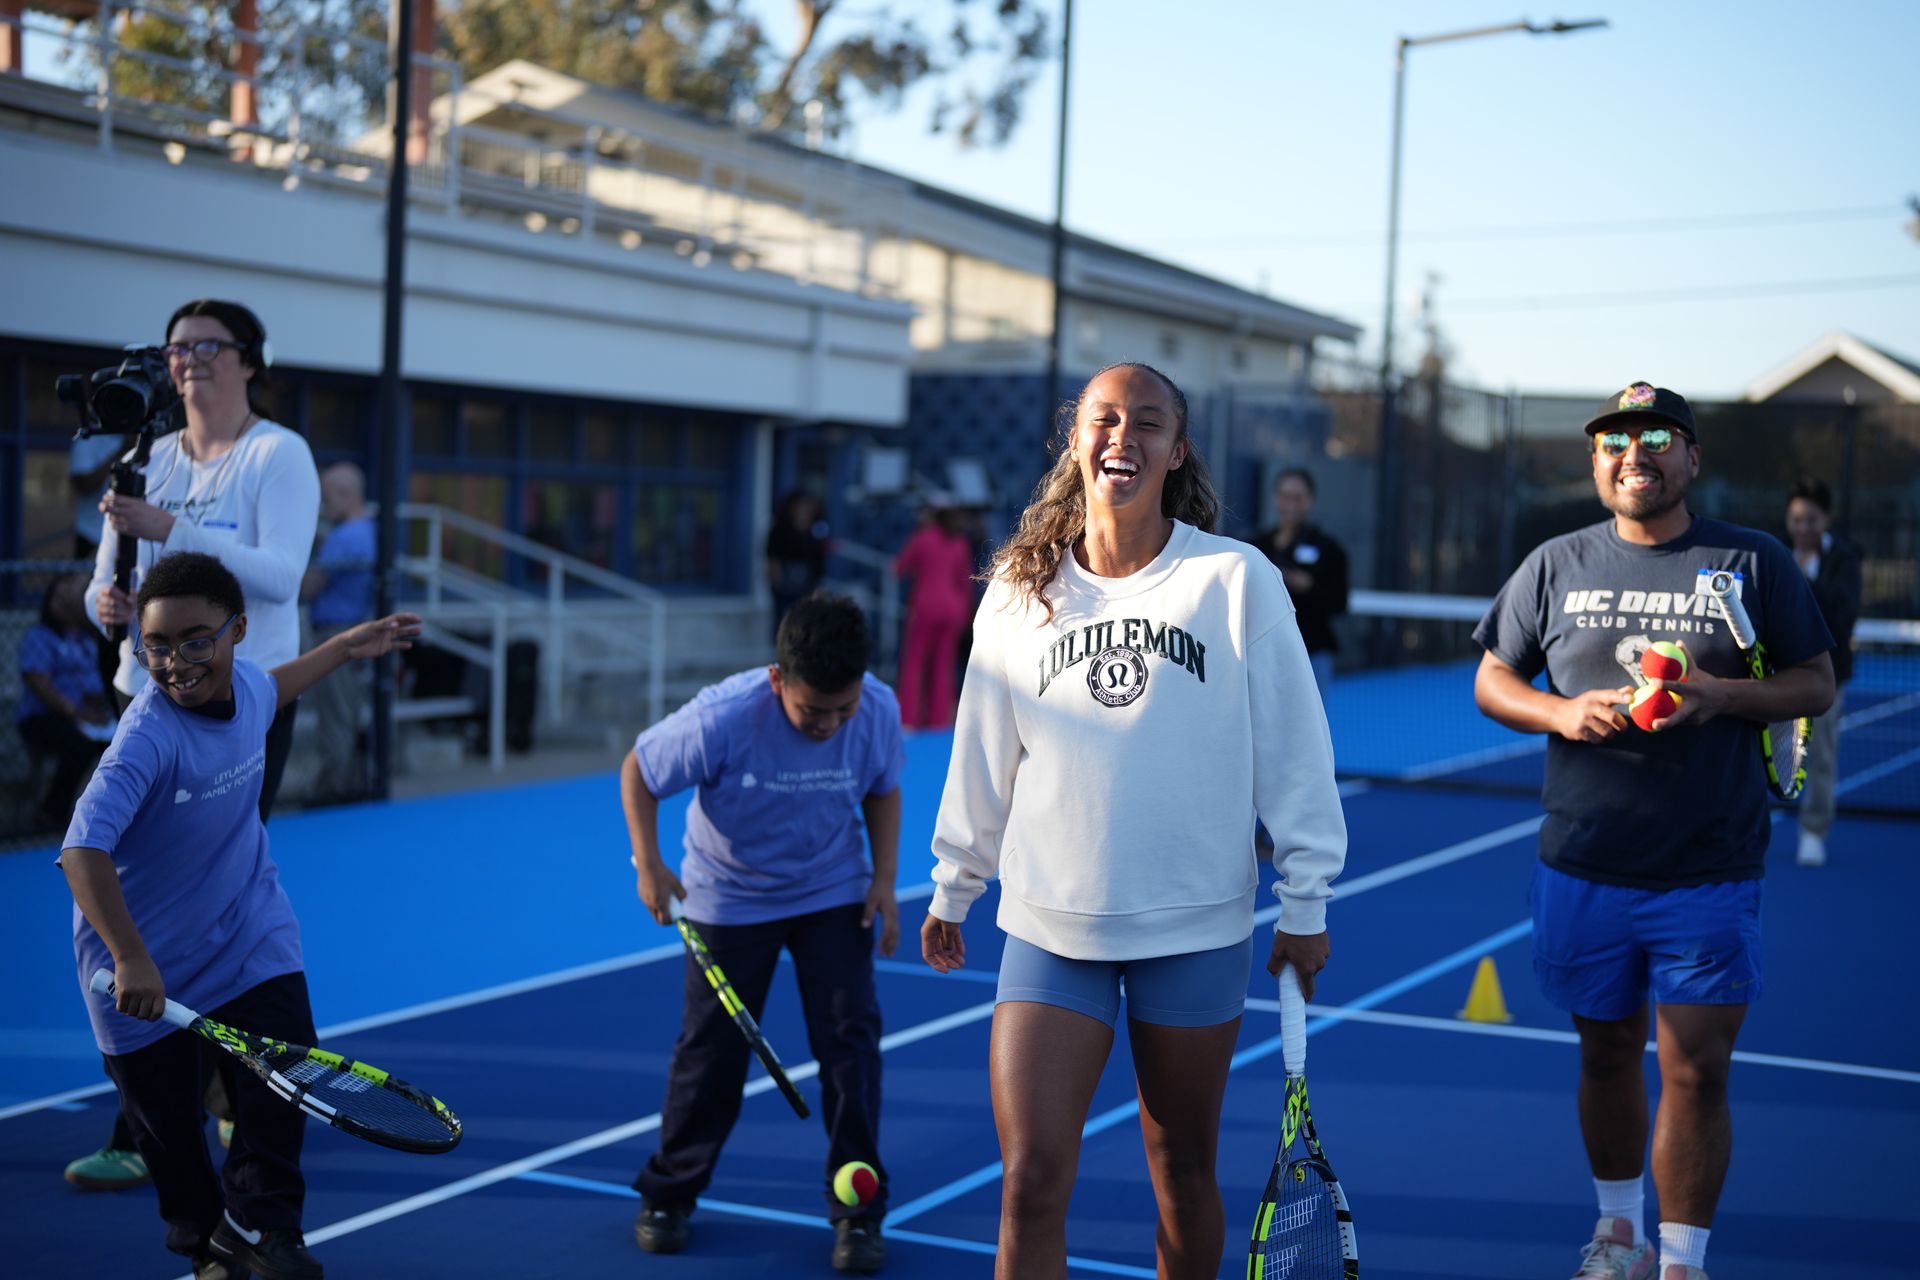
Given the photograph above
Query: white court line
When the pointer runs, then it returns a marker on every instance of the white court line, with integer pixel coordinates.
(821, 1223)
(1349, 1014)
(1316, 1023)
(608, 1137)
(1425, 862)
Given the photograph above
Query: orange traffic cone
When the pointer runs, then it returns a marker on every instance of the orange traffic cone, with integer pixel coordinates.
(1484, 1001)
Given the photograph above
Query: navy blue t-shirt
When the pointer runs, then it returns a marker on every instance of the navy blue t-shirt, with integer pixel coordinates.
(1662, 810)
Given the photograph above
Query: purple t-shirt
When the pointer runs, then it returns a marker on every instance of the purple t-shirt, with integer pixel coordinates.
(69, 661)
(775, 828)
(176, 804)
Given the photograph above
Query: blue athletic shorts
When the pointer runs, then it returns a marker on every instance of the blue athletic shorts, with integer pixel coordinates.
(1198, 989)
(1598, 949)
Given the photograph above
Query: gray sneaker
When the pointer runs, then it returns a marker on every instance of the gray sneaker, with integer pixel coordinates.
(1612, 1254)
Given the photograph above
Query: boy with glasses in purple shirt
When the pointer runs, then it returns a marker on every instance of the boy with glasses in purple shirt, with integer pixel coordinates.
(797, 770)
(174, 891)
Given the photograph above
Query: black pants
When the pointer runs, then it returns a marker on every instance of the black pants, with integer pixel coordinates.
(160, 1092)
(73, 754)
(833, 960)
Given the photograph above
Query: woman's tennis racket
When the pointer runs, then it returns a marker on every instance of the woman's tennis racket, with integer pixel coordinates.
(1783, 743)
(351, 1096)
(1303, 1229)
(731, 1002)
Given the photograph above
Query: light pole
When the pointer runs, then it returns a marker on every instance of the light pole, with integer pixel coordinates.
(1050, 391)
(1386, 521)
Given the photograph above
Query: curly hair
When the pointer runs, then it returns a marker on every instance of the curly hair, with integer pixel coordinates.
(1056, 517)
(823, 642)
(191, 573)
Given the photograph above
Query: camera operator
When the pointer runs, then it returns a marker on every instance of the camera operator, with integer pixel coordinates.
(233, 484)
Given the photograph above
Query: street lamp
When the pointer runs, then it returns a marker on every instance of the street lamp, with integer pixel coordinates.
(1386, 523)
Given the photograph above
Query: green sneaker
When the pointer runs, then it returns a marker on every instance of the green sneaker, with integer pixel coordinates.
(109, 1169)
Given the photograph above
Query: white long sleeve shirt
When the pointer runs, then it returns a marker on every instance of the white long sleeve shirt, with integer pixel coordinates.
(254, 509)
(1108, 763)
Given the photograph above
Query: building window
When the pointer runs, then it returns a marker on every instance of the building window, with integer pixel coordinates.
(433, 433)
(337, 420)
(578, 519)
(549, 435)
(676, 530)
(483, 497)
(606, 439)
(489, 429)
(46, 506)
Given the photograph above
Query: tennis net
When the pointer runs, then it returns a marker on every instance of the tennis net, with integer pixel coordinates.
(1401, 706)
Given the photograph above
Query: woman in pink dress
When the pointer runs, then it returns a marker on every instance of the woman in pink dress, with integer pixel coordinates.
(939, 559)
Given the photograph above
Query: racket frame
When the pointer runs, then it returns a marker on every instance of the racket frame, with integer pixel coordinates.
(270, 1059)
(1723, 587)
(737, 1010)
(1297, 1126)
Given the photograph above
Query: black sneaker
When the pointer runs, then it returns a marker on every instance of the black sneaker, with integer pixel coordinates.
(208, 1267)
(271, 1255)
(661, 1228)
(857, 1245)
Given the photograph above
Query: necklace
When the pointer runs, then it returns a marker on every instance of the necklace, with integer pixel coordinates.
(217, 473)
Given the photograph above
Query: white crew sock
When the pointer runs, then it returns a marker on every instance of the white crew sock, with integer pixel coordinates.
(1682, 1244)
(1627, 1199)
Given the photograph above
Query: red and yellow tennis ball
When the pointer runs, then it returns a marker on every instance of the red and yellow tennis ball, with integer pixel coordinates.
(1665, 660)
(1650, 704)
(855, 1183)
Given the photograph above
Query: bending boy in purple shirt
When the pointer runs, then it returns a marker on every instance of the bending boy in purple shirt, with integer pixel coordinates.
(175, 892)
(790, 763)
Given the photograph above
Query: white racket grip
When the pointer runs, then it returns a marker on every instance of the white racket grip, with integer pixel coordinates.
(1721, 586)
(1293, 1023)
(675, 911)
(175, 1012)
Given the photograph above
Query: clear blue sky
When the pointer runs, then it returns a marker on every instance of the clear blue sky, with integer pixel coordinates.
(1249, 139)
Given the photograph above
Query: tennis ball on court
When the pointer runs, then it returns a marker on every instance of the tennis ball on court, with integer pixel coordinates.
(1651, 704)
(855, 1183)
(1665, 660)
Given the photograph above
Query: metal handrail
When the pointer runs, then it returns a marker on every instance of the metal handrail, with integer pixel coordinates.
(556, 614)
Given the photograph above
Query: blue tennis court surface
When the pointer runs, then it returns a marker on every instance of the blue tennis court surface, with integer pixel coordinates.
(489, 947)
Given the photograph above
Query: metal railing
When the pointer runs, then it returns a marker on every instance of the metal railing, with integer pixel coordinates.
(609, 625)
(701, 202)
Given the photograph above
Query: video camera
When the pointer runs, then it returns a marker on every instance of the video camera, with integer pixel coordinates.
(135, 397)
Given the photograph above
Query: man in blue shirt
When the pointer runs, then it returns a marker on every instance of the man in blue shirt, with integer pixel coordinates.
(790, 762)
(175, 892)
(1654, 842)
(338, 589)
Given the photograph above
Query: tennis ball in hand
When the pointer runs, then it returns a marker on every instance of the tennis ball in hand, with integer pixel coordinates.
(855, 1183)
(1651, 704)
(1665, 660)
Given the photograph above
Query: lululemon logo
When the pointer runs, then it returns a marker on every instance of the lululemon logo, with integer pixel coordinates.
(1117, 676)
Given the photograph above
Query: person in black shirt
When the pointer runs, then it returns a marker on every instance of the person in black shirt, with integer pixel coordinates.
(1313, 565)
(796, 552)
(1833, 569)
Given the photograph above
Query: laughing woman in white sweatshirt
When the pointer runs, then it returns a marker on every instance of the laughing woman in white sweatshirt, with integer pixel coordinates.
(1137, 692)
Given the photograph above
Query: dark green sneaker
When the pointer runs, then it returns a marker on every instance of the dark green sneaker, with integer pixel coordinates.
(109, 1169)
(661, 1228)
(857, 1246)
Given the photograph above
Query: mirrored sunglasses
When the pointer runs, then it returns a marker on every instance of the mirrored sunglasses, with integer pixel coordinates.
(1652, 440)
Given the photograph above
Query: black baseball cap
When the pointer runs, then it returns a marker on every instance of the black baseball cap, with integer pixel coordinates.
(1644, 400)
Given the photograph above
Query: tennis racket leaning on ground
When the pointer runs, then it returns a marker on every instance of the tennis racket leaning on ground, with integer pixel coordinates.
(351, 1096)
(1303, 1229)
(731, 1002)
(1783, 743)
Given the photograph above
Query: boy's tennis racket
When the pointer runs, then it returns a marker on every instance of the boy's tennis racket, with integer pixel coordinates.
(1783, 743)
(351, 1096)
(1303, 1229)
(731, 1002)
